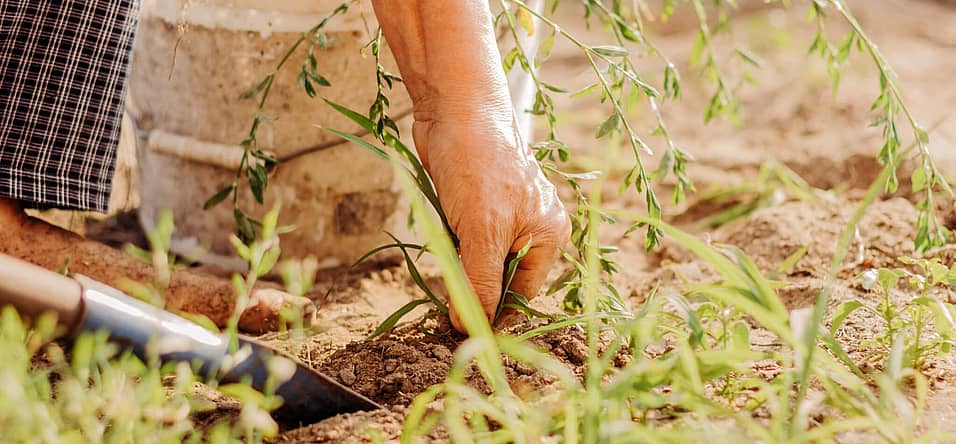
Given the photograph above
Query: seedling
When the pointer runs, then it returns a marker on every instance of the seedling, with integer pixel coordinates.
(923, 325)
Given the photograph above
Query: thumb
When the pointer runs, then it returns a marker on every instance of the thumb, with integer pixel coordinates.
(482, 259)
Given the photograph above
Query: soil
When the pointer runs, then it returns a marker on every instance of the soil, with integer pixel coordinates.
(790, 115)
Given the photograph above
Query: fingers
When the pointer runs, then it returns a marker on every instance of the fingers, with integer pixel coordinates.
(482, 258)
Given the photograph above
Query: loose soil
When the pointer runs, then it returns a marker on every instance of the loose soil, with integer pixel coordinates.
(790, 115)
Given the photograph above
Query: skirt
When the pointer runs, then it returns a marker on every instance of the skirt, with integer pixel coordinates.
(63, 71)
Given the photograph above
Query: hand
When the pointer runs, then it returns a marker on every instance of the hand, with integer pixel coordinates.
(490, 187)
(496, 199)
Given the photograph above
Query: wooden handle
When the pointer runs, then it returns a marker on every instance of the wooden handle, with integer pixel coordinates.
(33, 291)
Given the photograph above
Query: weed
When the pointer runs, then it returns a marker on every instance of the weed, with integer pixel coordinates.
(924, 323)
(774, 184)
(92, 391)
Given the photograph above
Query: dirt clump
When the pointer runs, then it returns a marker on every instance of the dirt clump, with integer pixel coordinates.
(394, 368)
(383, 425)
(771, 235)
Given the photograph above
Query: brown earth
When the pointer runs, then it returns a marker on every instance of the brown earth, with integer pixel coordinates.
(790, 115)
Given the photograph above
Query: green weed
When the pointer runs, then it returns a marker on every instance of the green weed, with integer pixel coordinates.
(924, 324)
(91, 391)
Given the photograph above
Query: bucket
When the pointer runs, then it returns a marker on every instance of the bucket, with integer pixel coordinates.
(191, 63)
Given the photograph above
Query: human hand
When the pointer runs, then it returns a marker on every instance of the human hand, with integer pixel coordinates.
(496, 199)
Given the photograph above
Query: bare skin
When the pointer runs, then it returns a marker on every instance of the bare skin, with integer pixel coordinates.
(45, 245)
(495, 195)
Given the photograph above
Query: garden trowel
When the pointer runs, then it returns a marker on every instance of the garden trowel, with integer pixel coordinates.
(83, 304)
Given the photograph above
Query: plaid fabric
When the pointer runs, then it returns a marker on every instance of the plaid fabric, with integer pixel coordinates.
(63, 69)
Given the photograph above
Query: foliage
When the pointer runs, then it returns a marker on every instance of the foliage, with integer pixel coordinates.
(89, 390)
(926, 179)
(773, 185)
(256, 163)
(689, 368)
(908, 321)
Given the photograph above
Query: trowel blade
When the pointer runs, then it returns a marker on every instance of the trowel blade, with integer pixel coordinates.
(308, 395)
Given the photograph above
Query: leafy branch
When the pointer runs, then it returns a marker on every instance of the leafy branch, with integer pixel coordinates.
(931, 232)
(256, 163)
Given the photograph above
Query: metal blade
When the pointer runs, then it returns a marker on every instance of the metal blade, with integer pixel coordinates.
(308, 395)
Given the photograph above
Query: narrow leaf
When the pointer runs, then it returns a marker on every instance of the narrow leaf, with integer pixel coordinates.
(218, 197)
(389, 323)
(841, 313)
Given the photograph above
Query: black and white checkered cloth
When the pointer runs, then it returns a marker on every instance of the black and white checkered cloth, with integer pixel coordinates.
(63, 70)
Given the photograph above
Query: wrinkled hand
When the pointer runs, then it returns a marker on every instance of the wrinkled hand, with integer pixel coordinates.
(496, 199)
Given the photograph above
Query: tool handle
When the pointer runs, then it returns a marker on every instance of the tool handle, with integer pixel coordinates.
(34, 290)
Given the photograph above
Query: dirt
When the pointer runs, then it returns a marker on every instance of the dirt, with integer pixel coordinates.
(771, 235)
(394, 368)
(790, 115)
(362, 427)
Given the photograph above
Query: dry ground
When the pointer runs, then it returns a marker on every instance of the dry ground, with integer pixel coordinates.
(790, 116)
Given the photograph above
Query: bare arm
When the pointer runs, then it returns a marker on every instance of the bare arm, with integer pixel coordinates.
(447, 54)
(495, 195)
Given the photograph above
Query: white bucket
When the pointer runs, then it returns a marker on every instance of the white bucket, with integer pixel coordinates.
(185, 89)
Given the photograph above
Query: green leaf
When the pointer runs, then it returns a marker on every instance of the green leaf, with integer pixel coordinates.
(942, 315)
(258, 181)
(845, 47)
(586, 90)
(689, 316)
(919, 180)
(509, 60)
(544, 51)
(417, 277)
(608, 126)
(244, 225)
(386, 247)
(510, 275)
(888, 279)
(740, 336)
(562, 281)
(318, 78)
(520, 304)
(254, 90)
(610, 51)
(306, 84)
(242, 250)
(360, 142)
(749, 57)
(363, 121)
(921, 136)
(389, 323)
(243, 392)
(698, 49)
(218, 197)
(554, 88)
(791, 261)
(268, 262)
(201, 320)
(841, 313)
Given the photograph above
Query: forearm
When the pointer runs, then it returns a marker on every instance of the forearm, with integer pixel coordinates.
(447, 55)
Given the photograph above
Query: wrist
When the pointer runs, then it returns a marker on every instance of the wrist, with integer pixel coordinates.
(476, 100)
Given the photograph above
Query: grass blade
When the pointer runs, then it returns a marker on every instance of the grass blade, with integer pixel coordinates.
(389, 323)
(417, 277)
